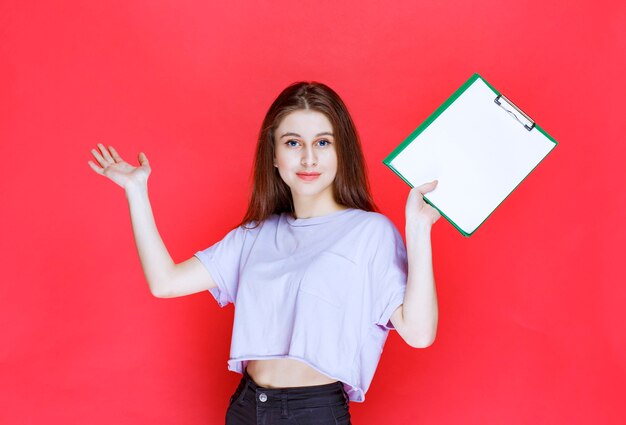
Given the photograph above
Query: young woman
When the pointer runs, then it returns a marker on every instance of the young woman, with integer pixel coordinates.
(317, 276)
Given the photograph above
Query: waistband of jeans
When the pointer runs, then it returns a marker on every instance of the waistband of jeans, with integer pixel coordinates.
(310, 396)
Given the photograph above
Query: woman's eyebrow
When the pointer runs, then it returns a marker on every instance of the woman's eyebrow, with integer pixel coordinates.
(326, 133)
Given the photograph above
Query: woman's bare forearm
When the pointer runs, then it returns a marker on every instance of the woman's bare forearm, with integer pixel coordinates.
(165, 278)
(420, 310)
(157, 264)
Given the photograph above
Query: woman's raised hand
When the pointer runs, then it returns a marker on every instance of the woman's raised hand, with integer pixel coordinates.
(418, 212)
(121, 172)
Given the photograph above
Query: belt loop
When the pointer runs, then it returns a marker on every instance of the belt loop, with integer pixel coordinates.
(345, 394)
(284, 413)
(243, 392)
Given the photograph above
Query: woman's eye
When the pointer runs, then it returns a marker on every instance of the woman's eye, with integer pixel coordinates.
(292, 143)
(323, 143)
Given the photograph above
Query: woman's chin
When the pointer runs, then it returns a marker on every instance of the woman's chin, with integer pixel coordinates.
(311, 192)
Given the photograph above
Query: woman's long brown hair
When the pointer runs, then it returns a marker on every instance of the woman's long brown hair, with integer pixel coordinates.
(270, 195)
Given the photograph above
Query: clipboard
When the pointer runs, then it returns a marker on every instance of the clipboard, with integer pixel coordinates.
(479, 146)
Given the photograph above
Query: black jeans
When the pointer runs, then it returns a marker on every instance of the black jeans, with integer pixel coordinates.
(252, 404)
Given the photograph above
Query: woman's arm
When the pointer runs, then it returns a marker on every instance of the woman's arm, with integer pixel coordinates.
(165, 278)
(416, 319)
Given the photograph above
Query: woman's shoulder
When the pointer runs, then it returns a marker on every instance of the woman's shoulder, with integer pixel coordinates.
(371, 232)
(374, 219)
(255, 226)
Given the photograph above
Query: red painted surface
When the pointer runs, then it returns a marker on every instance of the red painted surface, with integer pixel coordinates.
(532, 317)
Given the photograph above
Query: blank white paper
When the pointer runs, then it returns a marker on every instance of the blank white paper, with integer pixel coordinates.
(477, 151)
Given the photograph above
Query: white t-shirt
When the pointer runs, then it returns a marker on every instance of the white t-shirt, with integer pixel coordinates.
(320, 290)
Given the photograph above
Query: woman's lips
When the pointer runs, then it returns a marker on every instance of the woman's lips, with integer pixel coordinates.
(308, 176)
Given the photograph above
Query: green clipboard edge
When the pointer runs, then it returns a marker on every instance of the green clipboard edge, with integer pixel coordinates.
(433, 117)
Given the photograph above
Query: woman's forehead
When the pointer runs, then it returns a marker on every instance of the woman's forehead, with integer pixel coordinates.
(304, 123)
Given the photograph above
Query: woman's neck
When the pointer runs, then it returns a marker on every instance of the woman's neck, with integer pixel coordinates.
(308, 207)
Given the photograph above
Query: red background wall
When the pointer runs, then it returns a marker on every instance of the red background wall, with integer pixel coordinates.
(532, 307)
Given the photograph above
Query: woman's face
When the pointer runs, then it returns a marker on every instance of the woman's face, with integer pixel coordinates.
(305, 155)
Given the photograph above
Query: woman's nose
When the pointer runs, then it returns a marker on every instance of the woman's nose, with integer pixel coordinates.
(309, 157)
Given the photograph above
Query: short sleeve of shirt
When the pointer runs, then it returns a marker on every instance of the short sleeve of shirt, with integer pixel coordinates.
(389, 271)
(223, 261)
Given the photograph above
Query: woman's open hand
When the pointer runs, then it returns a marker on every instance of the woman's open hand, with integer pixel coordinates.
(121, 172)
(418, 212)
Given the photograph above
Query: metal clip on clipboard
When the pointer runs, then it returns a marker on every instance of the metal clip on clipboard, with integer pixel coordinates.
(515, 112)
